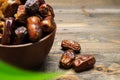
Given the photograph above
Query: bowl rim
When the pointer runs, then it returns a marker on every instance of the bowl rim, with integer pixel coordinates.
(28, 44)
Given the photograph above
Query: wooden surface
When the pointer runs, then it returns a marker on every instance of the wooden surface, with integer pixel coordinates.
(98, 33)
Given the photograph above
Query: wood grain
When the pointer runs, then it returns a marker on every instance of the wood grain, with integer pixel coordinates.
(97, 32)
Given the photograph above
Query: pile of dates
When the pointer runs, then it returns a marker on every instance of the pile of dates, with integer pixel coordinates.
(24, 21)
(71, 58)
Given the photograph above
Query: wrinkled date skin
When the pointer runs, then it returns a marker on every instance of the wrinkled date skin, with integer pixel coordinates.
(32, 6)
(83, 62)
(8, 31)
(46, 10)
(48, 24)
(66, 59)
(34, 29)
(20, 35)
(68, 44)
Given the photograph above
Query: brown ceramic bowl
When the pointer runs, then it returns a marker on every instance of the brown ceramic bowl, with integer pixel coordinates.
(28, 55)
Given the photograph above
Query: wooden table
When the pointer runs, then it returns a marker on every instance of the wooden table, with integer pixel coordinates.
(98, 32)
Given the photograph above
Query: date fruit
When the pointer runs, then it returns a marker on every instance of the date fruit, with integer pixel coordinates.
(46, 10)
(20, 35)
(21, 15)
(34, 28)
(69, 44)
(48, 24)
(32, 6)
(8, 31)
(83, 62)
(67, 58)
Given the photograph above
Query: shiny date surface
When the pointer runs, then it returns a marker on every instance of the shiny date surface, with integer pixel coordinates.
(83, 62)
(69, 44)
(66, 59)
(34, 29)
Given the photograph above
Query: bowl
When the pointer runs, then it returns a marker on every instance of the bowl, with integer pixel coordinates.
(30, 55)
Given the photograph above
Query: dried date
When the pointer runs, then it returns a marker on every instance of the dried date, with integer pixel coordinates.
(21, 15)
(69, 44)
(8, 31)
(32, 6)
(48, 24)
(34, 29)
(83, 62)
(67, 58)
(20, 35)
(46, 10)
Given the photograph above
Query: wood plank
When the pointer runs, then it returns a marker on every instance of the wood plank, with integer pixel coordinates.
(98, 33)
(88, 3)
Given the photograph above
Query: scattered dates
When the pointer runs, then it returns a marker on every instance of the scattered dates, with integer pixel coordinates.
(70, 59)
(67, 58)
(83, 62)
(69, 44)
(25, 21)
